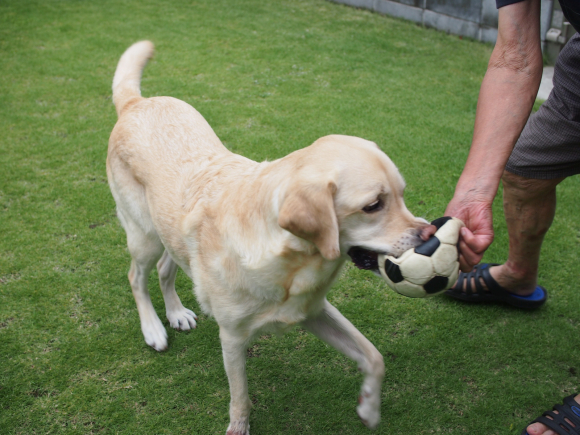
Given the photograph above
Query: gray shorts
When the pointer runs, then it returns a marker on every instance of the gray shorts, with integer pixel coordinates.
(549, 146)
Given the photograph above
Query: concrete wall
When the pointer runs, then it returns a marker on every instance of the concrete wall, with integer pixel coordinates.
(475, 19)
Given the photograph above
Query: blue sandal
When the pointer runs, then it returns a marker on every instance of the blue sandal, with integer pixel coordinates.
(559, 423)
(494, 292)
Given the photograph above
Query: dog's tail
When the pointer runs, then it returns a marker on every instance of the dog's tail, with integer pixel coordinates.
(127, 80)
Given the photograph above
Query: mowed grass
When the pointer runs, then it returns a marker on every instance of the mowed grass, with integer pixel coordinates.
(270, 77)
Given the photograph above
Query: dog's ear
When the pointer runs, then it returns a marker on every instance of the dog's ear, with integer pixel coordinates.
(308, 212)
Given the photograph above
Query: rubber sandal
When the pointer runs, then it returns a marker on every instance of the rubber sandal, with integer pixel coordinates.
(569, 410)
(494, 292)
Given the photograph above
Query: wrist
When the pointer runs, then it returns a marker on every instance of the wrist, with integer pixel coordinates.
(476, 189)
(479, 181)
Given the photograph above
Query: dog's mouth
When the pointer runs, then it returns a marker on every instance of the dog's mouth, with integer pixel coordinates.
(364, 259)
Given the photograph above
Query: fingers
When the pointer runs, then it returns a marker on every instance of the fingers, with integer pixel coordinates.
(467, 258)
(464, 265)
(477, 234)
(477, 242)
(471, 248)
(427, 232)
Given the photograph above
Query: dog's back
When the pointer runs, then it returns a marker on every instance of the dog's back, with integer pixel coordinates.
(155, 131)
(158, 145)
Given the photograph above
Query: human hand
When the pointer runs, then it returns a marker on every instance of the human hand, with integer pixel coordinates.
(477, 234)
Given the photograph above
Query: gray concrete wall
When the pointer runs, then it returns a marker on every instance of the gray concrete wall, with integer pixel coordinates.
(475, 19)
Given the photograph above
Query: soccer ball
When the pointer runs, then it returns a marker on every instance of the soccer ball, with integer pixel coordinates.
(428, 269)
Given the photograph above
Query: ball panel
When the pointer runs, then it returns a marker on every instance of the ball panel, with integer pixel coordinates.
(439, 222)
(429, 247)
(449, 233)
(393, 271)
(454, 275)
(445, 259)
(410, 290)
(436, 284)
(398, 260)
(417, 269)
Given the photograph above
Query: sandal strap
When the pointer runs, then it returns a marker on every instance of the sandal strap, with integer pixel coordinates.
(476, 275)
(570, 411)
(466, 280)
(492, 285)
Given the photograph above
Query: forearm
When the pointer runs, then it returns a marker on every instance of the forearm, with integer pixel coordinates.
(505, 101)
(506, 98)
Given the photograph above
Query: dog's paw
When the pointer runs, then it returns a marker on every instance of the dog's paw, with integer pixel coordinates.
(241, 427)
(182, 319)
(155, 334)
(369, 410)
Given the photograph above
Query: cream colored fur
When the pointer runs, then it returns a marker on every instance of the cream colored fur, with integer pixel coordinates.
(262, 242)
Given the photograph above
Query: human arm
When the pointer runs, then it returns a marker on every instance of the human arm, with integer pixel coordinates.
(506, 98)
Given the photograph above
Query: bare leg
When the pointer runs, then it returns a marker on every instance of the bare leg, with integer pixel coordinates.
(333, 328)
(529, 206)
(234, 353)
(179, 317)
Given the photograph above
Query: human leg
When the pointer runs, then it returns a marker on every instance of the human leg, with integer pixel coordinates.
(547, 151)
(529, 207)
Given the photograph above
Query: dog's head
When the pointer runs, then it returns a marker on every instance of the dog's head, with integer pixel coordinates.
(346, 196)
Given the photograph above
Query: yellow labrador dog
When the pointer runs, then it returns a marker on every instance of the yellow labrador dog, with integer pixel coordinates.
(262, 242)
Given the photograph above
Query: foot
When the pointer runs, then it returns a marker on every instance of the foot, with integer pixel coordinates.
(479, 285)
(517, 283)
(521, 284)
(541, 429)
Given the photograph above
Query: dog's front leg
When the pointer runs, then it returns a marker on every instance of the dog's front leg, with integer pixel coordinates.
(234, 352)
(333, 328)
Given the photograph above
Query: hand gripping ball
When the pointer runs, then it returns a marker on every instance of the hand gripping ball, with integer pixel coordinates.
(428, 269)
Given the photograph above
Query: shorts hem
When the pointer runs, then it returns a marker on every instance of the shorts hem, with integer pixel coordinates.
(542, 175)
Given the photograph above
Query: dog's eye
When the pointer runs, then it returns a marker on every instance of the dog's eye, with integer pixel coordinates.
(373, 207)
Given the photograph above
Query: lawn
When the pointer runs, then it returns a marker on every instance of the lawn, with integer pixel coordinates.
(270, 77)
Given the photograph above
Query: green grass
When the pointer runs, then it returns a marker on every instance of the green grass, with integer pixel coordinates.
(270, 77)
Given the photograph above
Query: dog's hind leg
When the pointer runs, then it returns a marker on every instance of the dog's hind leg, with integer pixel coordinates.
(333, 328)
(179, 317)
(145, 248)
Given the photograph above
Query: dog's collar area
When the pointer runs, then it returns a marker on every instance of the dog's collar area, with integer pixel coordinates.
(363, 258)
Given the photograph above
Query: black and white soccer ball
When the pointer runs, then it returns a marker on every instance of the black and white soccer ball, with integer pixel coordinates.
(428, 269)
